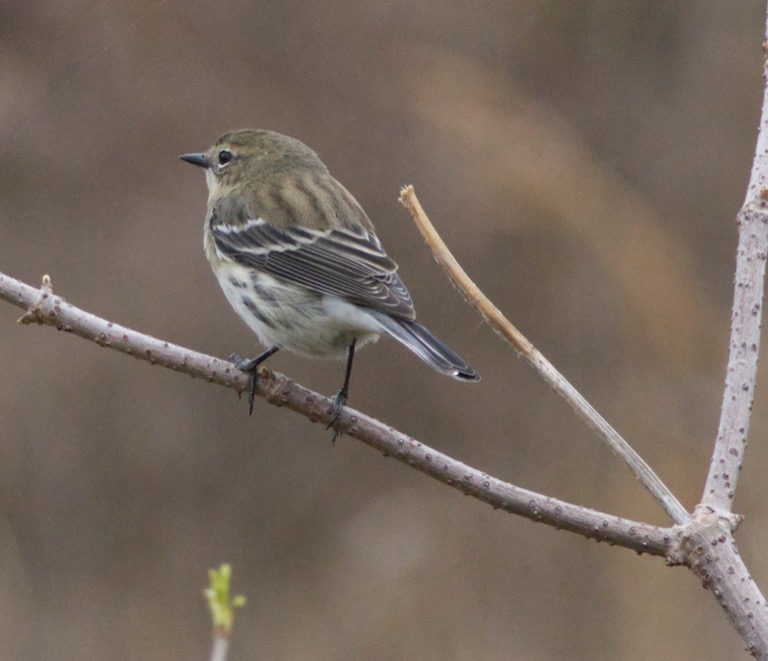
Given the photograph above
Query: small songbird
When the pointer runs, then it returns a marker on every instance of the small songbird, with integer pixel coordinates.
(298, 259)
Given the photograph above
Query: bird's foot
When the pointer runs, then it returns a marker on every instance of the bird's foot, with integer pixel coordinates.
(251, 368)
(339, 402)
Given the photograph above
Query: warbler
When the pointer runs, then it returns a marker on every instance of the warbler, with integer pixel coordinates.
(299, 261)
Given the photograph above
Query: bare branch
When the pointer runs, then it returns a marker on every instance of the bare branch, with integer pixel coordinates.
(741, 375)
(545, 369)
(43, 307)
(736, 411)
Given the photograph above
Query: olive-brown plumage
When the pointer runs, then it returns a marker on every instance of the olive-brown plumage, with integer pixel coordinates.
(298, 259)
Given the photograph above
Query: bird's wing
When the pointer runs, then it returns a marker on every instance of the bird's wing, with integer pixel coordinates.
(350, 263)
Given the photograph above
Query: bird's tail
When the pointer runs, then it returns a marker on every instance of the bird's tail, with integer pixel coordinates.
(426, 346)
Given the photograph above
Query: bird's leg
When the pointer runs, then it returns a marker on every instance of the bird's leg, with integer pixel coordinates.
(251, 367)
(341, 397)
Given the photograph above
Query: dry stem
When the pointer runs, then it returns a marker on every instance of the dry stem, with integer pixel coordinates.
(543, 367)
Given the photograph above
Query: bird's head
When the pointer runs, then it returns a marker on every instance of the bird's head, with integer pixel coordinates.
(251, 157)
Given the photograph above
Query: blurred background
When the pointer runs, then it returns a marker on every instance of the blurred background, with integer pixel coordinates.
(584, 160)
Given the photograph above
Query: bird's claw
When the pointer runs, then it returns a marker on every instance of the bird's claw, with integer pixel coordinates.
(339, 402)
(250, 367)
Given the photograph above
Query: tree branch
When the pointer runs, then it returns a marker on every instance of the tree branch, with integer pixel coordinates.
(741, 374)
(43, 307)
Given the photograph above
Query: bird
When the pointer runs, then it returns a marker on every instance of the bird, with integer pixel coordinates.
(299, 261)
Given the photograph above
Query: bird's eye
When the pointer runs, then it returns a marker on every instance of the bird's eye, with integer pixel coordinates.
(225, 156)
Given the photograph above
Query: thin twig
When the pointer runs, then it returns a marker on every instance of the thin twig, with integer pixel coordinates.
(42, 306)
(220, 648)
(545, 369)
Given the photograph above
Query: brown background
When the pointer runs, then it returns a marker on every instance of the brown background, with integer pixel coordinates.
(584, 160)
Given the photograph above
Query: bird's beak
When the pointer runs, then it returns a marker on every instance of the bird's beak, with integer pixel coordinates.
(196, 159)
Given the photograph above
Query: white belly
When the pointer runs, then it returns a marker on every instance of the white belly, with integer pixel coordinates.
(294, 318)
